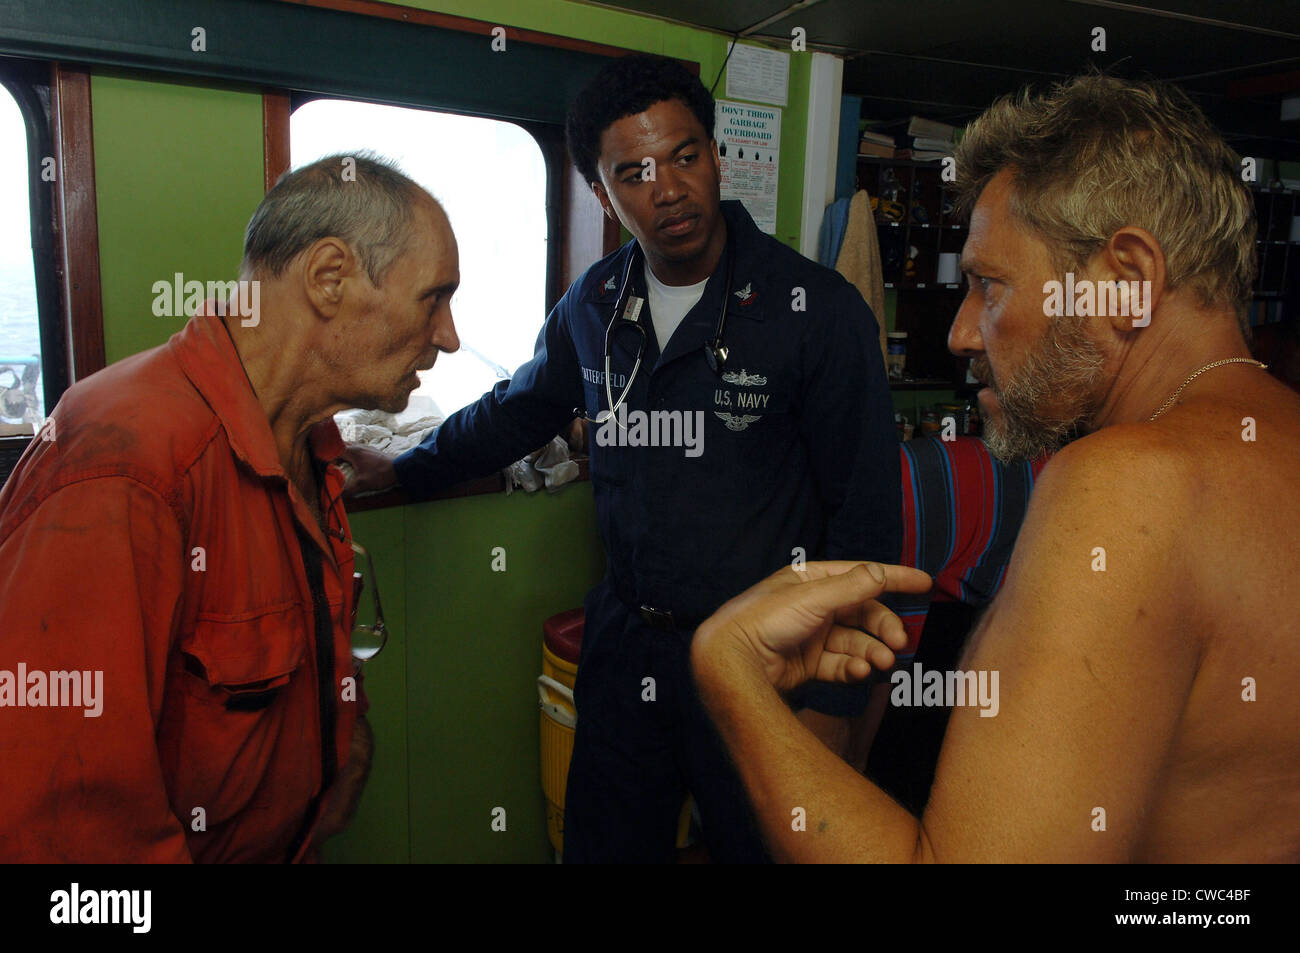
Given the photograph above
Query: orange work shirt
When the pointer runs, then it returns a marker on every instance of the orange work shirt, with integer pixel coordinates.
(156, 540)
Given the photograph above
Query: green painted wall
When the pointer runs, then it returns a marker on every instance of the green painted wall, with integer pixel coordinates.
(649, 35)
(472, 680)
(453, 699)
(453, 696)
(178, 172)
(380, 833)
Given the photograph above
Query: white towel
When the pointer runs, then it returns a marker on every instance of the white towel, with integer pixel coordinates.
(549, 466)
(391, 433)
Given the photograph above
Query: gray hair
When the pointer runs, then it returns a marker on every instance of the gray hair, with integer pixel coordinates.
(1097, 154)
(363, 199)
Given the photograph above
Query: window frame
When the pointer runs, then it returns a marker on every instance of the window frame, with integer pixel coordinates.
(54, 100)
(145, 41)
(583, 234)
(550, 141)
(277, 111)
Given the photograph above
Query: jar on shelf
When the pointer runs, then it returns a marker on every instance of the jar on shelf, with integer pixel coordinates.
(930, 425)
(895, 354)
(956, 411)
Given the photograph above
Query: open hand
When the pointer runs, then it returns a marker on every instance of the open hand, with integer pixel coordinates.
(799, 626)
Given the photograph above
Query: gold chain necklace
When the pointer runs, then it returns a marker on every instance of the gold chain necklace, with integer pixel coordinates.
(1226, 360)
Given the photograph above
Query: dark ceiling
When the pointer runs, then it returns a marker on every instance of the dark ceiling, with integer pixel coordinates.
(948, 59)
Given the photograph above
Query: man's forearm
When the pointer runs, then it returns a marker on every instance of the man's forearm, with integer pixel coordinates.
(831, 730)
(845, 818)
(474, 442)
(849, 737)
(863, 729)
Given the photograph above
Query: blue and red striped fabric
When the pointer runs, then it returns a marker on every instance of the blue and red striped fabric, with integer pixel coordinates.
(962, 510)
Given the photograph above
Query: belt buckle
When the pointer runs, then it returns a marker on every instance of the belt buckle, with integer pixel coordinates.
(657, 618)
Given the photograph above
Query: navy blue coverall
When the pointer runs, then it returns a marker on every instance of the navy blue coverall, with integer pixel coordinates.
(799, 459)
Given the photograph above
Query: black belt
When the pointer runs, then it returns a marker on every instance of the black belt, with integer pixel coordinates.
(655, 617)
(668, 621)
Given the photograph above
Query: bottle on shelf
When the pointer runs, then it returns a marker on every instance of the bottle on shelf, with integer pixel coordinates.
(896, 354)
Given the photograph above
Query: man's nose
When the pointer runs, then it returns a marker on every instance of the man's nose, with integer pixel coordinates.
(445, 337)
(964, 338)
(668, 186)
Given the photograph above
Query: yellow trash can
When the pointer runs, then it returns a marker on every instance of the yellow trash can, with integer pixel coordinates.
(561, 643)
(561, 646)
(558, 722)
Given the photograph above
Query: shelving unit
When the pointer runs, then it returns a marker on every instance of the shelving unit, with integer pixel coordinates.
(1275, 313)
(917, 304)
(926, 221)
(1279, 257)
(922, 383)
(926, 229)
(924, 308)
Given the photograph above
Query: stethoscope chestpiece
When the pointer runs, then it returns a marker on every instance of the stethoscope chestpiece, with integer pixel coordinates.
(715, 355)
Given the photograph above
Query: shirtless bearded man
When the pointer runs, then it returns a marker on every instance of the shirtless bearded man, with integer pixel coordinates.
(1148, 633)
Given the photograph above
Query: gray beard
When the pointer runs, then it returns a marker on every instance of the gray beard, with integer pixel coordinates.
(1051, 396)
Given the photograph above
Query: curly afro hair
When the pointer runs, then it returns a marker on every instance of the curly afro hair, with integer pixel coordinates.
(625, 87)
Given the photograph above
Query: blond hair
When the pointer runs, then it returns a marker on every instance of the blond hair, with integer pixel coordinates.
(1097, 154)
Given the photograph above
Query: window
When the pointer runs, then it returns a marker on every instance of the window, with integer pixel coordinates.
(491, 178)
(38, 322)
(22, 398)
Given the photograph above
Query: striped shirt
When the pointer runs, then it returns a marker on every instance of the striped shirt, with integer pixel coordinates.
(962, 510)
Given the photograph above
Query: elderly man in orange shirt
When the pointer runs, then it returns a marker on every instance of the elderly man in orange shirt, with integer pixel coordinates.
(179, 588)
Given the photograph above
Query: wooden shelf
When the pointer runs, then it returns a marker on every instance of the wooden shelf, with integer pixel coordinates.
(903, 163)
(921, 286)
(923, 384)
(1278, 264)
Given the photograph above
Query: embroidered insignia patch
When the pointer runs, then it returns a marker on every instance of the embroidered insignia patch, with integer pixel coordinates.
(736, 421)
(743, 379)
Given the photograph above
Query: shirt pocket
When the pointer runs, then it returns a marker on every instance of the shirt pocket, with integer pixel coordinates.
(241, 715)
(242, 664)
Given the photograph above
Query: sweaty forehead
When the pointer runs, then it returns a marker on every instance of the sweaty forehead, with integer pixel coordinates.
(435, 243)
(998, 240)
(433, 227)
(662, 126)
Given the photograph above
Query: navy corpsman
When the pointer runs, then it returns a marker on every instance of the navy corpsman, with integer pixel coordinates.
(741, 421)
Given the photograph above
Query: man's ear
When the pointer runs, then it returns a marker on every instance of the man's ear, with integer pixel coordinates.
(327, 265)
(1136, 260)
(602, 196)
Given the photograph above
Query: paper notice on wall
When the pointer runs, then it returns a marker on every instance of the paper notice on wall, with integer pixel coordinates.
(760, 74)
(749, 147)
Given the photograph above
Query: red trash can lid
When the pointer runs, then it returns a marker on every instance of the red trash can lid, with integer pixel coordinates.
(563, 634)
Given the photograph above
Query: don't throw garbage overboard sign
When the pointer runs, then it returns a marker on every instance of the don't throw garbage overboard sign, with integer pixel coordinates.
(749, 146)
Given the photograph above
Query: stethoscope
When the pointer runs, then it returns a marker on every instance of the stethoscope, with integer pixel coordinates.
(627, 313)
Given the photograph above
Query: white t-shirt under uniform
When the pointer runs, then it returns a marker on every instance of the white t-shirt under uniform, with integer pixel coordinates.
(669, 304)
